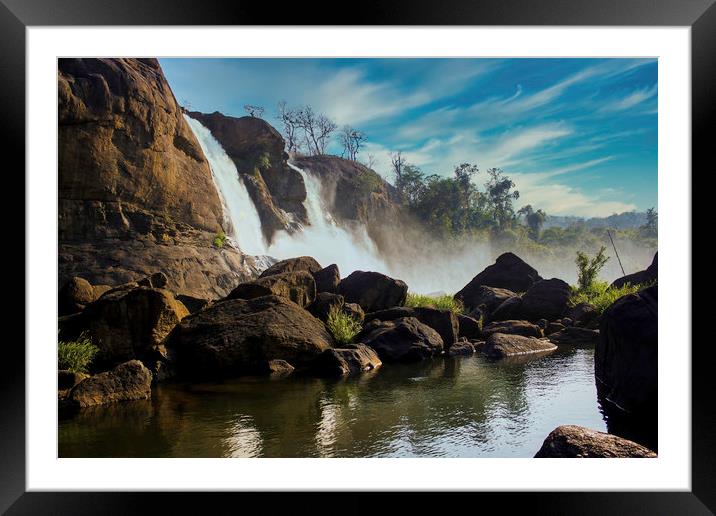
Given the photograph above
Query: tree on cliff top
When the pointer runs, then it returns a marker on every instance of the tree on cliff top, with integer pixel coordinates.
(351, 139)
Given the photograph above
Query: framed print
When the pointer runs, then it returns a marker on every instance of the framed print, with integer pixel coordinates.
(412, 251)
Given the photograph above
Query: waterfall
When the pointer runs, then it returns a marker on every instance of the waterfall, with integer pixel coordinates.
(239, 210)
(324, 240)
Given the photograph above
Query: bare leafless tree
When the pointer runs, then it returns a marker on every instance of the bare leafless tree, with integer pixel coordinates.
(351, 139)
(370, 161)
(397, 160)
(317, 129)
(291, 126)
(254, 111)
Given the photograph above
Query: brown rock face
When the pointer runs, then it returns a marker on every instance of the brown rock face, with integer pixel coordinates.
(301, 263)
(128, 381)
(571, 441)
(257, 149)
(373, 291)
(238, 336)
(135, 191)
(298, 286)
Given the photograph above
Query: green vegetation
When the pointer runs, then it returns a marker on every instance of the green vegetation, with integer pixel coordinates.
(444, 302)
(368, 181)
(76, 355)
(219, 240)
(601, 295)
(588, 268)
(342, 326)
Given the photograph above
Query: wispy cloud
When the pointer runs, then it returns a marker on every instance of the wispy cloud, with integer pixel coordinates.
(631, 100)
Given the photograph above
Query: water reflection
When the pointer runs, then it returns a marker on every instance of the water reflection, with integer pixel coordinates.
(464, 407)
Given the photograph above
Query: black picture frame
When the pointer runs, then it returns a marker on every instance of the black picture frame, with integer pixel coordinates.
(700, 15)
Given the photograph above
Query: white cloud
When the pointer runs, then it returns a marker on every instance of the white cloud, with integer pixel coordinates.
(633, 99)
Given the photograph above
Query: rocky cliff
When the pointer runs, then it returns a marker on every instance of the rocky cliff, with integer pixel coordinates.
(135, 191)
(257, 150)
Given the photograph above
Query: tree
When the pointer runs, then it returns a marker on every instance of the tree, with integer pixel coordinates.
(351, 140)
(291, 126)
(254, 111)
(588, 269)
(317, 129)
(500, 196)
(397, 161)
(650, 228)
(535, 220)
(370, 161)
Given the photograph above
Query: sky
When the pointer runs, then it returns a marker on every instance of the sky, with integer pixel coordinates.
(577, 136)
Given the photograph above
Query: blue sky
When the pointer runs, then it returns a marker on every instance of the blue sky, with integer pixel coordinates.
(578, 136)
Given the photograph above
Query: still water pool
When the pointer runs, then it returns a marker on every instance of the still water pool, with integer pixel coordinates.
(462, 407)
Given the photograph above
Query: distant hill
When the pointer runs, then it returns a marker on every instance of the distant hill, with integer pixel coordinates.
(626, 220)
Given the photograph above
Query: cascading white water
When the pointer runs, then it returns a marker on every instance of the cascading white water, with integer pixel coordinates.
(324, 239)
(239, 209)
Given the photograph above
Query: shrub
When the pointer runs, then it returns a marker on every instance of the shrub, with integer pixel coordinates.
(444, 302)
(588, 269)
(342, 326)
(219, 240)
(76, 355)
(601, 295)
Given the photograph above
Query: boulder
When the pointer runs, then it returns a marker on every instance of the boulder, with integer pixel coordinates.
(276, 368)
(321, 306)
(508, 272)
(68, 379)
(128, 381)
(402, 340)
(486, 298)
(546, 299)
(511, 327)
(500, 345)
(575, 336)
(468, 327)
(461, 348)
(301, 263)
(298, 286)
(554, 327)
(156, 280)
(74, 295)
(126, 324)
(650, 274)
(626, 355)
(327, 279)
(373, 291)
(444, 322)
(237, 336)
(351, 360)
(509, 309)
(571, 441)
(193, 304)
(583, 314)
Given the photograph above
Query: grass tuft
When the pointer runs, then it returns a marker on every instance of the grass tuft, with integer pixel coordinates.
(601, 295)
(219, 240)
(76, 355)
(444, 302)
(342, 326)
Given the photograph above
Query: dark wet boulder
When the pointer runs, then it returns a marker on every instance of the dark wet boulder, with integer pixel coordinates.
(442, 321)
(373, 291)
(509, 309)
(571, 441)
(401, 340)
(485, 298)
(461, 348)
(501, 345)
(193, 304)
(128, 381)
(275, 368)
(301, 263)
(512, 327)
(327, 279)
(582, 314)
(575, 336)
(546, 299)
(554, 327)
(626, 355)
(238, 336)
(649, 275)
(126, 324)
(508, 272)
(321, 306)
(351, 360)
(298, 286)
(468, 327)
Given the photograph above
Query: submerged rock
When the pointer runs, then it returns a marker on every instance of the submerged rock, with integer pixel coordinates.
(128, 381)
(277, 368)
(236, 336)
(373, 291)
(461, 348)
(500, 345)
(571, 441)
(351, 360)
(298, 286)
(402, 340)
(508, 272)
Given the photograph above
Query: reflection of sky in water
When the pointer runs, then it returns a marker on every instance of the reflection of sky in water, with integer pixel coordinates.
(466, 407)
